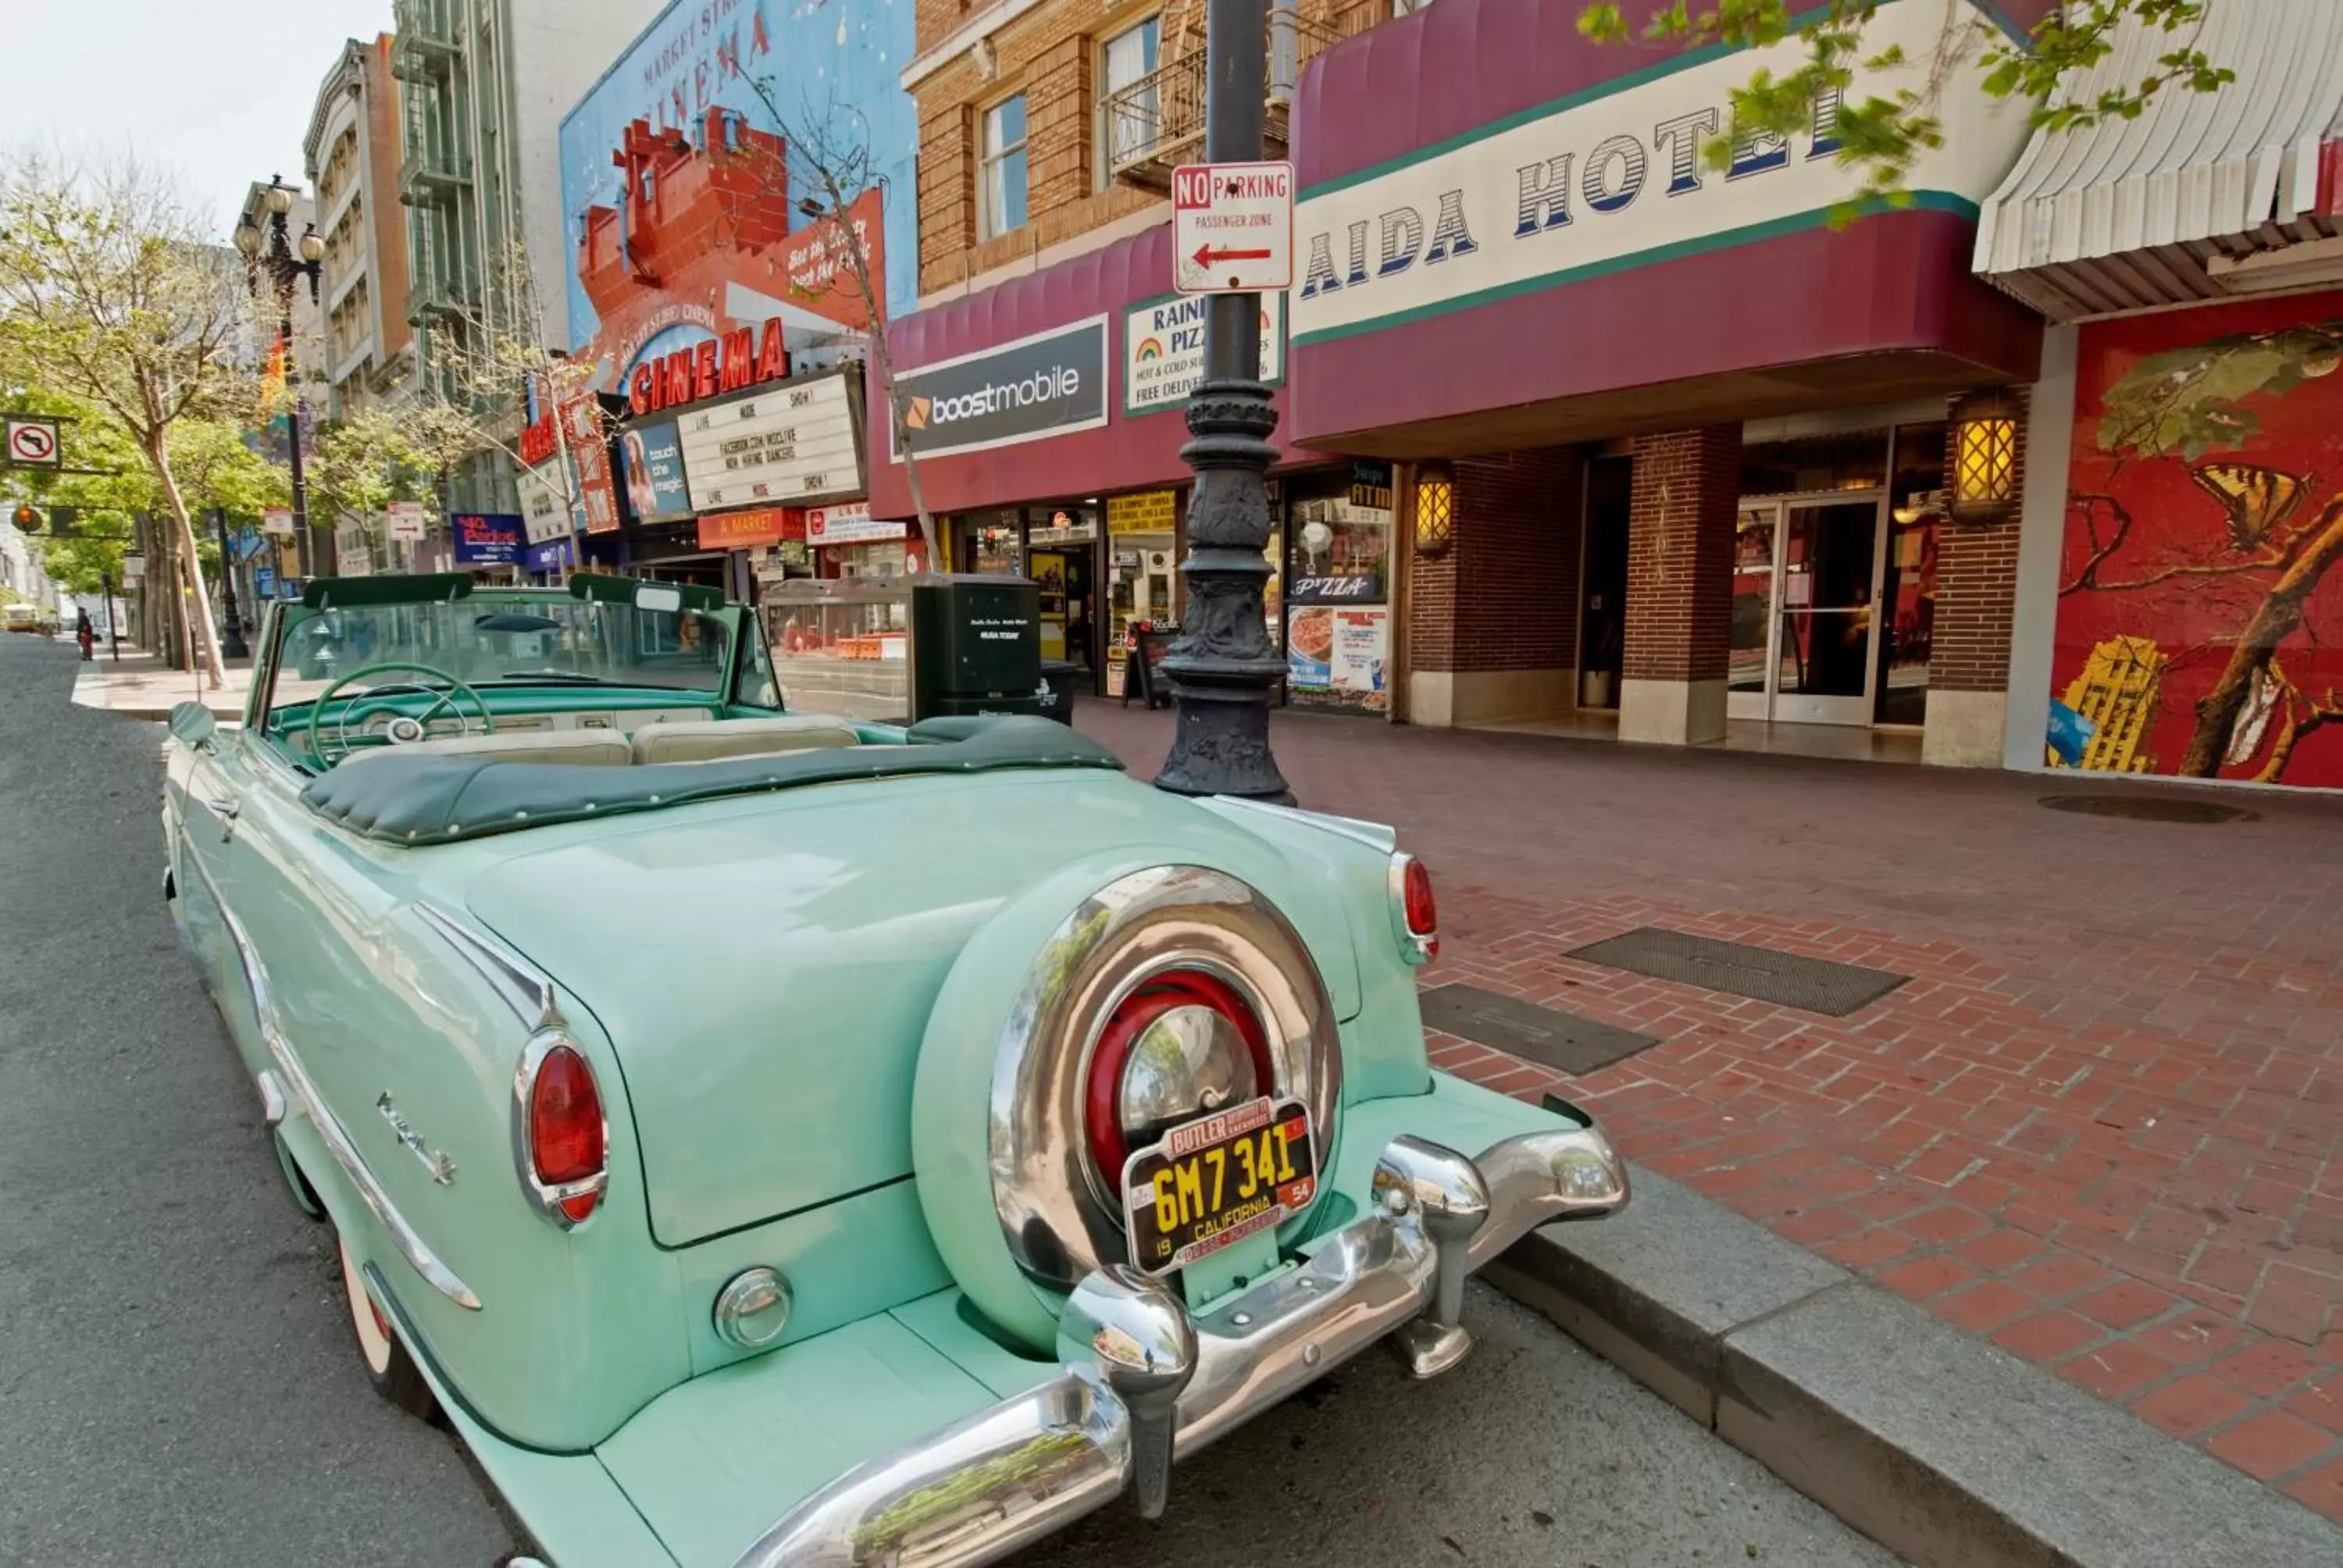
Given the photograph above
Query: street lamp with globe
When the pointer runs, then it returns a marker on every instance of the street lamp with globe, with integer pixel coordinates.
(263, 236)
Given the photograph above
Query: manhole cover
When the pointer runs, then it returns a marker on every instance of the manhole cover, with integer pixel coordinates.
(2144, 808)
(1737, 969)
(1545, 1035)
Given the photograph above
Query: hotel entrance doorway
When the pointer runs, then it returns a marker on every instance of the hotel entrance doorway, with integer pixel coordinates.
(1806, 578)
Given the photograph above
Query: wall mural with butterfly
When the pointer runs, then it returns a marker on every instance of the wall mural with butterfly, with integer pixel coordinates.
(2200, 620)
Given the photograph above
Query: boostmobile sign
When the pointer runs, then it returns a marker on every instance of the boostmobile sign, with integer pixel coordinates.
(1050, 384)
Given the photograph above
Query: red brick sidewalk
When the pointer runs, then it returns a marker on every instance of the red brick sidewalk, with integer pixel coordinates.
(2104, 1123)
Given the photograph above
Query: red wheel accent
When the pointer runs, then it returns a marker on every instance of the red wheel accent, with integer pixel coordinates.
(1101, 1117)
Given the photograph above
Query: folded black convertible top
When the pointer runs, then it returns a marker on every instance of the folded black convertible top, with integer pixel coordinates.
(438, 798)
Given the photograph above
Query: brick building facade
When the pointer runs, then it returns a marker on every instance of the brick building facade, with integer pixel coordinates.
(1591, 377)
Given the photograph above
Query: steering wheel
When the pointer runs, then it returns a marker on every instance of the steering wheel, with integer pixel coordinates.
(331, 744)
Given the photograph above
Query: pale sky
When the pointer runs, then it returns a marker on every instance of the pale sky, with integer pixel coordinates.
(219, 90)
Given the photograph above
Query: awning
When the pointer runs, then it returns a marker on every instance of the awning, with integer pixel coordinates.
(2203, 197)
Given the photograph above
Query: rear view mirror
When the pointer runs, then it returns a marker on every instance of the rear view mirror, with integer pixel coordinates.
(663, 601)
(193, 723)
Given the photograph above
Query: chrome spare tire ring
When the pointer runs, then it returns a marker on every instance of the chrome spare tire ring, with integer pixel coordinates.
(1058, 1216)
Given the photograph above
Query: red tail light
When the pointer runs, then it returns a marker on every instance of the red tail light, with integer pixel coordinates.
(1418, 910)
(567, 1136)
(1106, 1104)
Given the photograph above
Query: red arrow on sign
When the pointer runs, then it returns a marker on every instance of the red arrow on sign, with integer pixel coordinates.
(1206, 255)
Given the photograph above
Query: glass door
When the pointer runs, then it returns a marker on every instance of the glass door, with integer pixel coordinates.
(1805, 576)
(1749, 666)
(1827, 580)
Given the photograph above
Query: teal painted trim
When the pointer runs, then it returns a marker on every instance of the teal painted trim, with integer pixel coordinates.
(1632, 80)
(2000, 19)
(1922, 201)
(1133, 411)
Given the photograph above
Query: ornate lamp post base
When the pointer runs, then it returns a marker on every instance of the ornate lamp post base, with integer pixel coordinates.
(1222, 666)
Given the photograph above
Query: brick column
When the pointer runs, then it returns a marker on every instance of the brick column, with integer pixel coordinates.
(1059, 129)
(1681, 511)
(947, 175)
(1492, 624)
(1968, 651)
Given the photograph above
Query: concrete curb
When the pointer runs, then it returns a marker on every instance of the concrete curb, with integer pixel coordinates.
(1940, 1446)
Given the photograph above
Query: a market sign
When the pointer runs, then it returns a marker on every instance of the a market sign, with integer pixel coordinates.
(1612, 178)
(1163, 350)
(1050, 384)
(799, 442)
(750, 529)
(741, 358)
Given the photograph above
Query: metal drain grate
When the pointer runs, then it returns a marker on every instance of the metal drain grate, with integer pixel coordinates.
(1811, 985)
(1544, 1035)
(2150, 808)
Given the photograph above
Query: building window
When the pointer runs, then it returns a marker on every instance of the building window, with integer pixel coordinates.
(1130, 126)
(1003, 197)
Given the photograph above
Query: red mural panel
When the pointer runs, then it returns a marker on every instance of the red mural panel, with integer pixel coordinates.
(2200, 616)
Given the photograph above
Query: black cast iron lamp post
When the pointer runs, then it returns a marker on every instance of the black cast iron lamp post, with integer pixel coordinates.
(1222, 665)
(286, 262)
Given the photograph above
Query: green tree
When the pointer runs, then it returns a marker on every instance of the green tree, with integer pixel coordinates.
(1881, 136)
(110, 295)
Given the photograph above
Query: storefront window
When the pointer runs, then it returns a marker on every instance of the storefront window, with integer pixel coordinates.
(1907, 586)
(1062, 557)
(1337, 598)
(1143, 568)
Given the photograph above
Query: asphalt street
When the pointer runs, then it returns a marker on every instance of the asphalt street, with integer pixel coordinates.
(178, 1384)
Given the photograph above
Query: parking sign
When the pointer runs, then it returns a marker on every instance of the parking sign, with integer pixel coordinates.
(1232, 227)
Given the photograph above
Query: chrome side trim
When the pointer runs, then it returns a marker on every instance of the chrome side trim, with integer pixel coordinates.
(524, 989)
(995, 1483)
(272, 1099)
(303, 1095)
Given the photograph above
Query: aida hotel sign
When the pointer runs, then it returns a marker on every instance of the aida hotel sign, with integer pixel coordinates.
(1612, 178)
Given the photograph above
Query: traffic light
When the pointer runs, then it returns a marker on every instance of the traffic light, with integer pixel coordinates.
(28, 518)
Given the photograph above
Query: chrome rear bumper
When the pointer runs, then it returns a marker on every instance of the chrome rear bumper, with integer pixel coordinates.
(1142, 1378)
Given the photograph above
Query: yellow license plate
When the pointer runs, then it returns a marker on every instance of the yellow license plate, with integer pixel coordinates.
(1216, 1180)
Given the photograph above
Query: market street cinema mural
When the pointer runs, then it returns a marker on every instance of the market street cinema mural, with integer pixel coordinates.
(682, 192)
(2200, 620)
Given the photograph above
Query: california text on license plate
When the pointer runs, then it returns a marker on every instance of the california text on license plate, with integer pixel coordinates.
(1217, 1180)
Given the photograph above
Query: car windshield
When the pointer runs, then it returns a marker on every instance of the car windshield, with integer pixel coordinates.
(513, 638)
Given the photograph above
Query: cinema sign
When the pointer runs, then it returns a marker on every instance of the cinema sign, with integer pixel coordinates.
(1589, 185)
(742, 358)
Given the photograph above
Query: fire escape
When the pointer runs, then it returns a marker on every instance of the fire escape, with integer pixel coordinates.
(1151, 126)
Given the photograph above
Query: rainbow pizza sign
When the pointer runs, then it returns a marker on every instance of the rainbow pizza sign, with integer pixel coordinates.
(1163, 350)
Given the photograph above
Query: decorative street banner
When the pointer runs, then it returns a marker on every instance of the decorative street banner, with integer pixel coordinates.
(1163, 350)
(1616, 179)
(2200, 612)
(544, 514)
(1050, 384)
(652, 455)
(488, 538)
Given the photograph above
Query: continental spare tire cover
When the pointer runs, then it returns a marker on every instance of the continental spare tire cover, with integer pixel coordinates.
(1014, 1198)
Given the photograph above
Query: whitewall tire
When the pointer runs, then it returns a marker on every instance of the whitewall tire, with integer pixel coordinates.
(388, 1367)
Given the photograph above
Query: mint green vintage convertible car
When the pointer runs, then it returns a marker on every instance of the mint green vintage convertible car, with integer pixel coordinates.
(774, 1140)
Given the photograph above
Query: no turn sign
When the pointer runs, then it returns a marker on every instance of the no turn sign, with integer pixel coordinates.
(32, 443)
(1232, 227)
